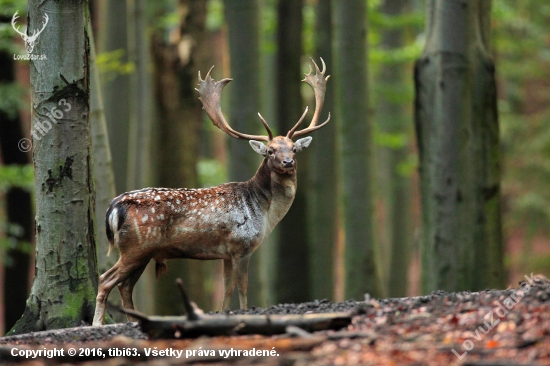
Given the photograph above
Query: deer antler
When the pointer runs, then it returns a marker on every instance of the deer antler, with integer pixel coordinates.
(318, 83)
(211, 92)
(35, 33)
(13, 20)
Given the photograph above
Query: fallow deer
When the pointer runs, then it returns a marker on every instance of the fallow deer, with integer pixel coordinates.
(225, 222)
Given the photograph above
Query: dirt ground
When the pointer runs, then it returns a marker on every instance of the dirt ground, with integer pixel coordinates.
(497, 327)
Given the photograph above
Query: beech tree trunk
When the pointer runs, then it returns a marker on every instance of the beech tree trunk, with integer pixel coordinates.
(292, 282)
(322, 183)
(393, 121)
(104, 177)
(458, 140)
(65, 284)
(111, 37)
(179, 125)
(245, 102)
(351, 98)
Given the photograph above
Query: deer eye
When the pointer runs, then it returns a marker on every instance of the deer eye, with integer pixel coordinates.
(270, 152)
(294, 149)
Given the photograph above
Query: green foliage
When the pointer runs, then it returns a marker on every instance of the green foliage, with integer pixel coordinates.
(7, 34)
(214, 17)
(110, 64)
(268, 23)
(11, 99)
(523, 63)
(21, 176)
(211, 172)
(308, 29)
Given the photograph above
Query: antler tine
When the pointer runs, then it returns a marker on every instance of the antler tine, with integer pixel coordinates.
(210, 95)
(318, 83)
(266, 127)
(293, 129)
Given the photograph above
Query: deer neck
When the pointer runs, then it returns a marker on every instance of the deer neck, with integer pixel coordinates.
(275, 192)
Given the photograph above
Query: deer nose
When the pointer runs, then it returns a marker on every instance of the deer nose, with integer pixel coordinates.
(288, 163)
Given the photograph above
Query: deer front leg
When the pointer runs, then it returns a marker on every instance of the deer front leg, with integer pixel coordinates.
(126, 288)
(228, 283)
(241, 273)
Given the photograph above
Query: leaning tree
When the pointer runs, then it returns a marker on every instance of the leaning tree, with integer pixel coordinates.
(65, 282)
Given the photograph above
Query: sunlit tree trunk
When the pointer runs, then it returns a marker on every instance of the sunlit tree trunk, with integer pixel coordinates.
(179, 122)
(65, 284)
(458, 140)
(138, 156)
(322, 184)
(292, 281)
(113, 36)
(245, 101)
(104, 177)
(394, 124)
(351, 98)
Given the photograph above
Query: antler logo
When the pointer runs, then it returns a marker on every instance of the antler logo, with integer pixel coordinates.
(30, 41)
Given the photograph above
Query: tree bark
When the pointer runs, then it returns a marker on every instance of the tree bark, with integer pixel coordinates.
(242, 17)
(351, 97)
(292, 282)
(322, 185)
(65, 284)
(179, 125)
(458, 140)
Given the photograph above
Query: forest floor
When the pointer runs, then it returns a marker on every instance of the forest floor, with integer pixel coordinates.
(492, 327)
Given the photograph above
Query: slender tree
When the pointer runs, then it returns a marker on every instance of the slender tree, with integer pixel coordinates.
(292, 282)
(242, 17)
(322, 185)
(179, 125)
(65, 283)
(351, 98)
(104, 177)
(113, 37)
(458, 141)
(392, 123)
(138, 156)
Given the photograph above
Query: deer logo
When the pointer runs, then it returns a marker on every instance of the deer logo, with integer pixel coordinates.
(30, 41)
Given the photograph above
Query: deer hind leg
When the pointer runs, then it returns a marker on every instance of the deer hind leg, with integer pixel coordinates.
(126, 287)
(228, 283)
(240, 265)
(107, 281)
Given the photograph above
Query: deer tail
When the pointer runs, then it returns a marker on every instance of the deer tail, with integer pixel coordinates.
(115, 217)
(160, 268)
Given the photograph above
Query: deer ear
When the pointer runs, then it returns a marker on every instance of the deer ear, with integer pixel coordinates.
(259, 147)
(302, 143)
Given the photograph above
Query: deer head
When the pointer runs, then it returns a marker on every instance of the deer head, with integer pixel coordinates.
(30, 41)
(279, 151)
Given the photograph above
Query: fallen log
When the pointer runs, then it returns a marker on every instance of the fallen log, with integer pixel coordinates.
(196, 324)
(217, 325)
